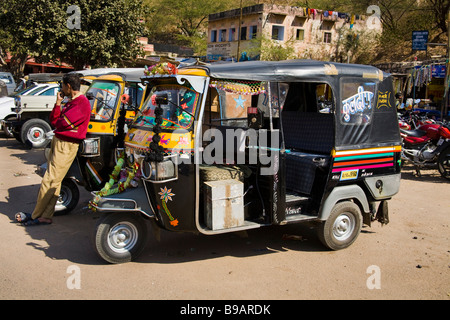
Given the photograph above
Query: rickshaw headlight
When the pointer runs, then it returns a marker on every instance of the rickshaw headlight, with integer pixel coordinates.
(90, 147)
(147, 170)
(160, 171)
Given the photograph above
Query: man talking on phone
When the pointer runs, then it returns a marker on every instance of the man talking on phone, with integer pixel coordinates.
(70, 122)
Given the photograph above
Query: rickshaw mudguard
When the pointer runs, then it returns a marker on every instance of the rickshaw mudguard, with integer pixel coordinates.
(133, 200)
(344, 193)
(383, 187)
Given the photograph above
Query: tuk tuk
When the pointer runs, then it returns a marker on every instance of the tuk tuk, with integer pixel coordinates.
(115, 95)
(231, 147)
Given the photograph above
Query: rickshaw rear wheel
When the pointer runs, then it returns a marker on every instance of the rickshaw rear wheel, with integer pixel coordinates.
(342, 227)
(120, 237)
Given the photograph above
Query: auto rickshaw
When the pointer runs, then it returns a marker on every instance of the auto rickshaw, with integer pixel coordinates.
(231, 147)
(115, 95)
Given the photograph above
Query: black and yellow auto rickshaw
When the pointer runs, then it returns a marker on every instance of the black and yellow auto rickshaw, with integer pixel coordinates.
(115, 96)
(231, 147)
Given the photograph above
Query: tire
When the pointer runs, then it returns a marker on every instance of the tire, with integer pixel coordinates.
(444, 164)
(68, 198)
(343, 226)
(120, 237)
(33, 133)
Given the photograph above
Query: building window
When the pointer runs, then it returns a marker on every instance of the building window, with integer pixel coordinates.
(327, 37)
(300, 35)
(278, 33)
(223, 35)
(214, 36)
(232, 34)
(244, 33)
(253, 32)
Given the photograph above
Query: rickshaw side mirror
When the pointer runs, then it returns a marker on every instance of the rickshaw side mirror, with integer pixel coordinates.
(125, 99)
(161, 99)
(89, 95)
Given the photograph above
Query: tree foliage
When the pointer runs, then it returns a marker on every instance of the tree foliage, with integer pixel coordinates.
(182, 22)
(105, 36)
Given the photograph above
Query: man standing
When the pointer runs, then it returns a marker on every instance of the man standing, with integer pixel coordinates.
(70, 123)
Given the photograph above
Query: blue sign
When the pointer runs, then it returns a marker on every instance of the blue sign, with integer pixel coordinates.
(439, 71)
(419, 40)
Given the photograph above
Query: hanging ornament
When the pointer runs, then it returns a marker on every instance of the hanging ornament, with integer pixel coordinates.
(239, 87)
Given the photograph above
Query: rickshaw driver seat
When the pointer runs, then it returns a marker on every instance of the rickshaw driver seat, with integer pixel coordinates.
(309, 137)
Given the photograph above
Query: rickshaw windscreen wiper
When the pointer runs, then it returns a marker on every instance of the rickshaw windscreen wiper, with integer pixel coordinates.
(164, 99)
(90, 96)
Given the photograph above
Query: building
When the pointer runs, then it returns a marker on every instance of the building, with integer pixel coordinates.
(310, 32)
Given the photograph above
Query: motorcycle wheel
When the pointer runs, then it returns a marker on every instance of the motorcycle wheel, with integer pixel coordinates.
(444, 164)
(120, 237)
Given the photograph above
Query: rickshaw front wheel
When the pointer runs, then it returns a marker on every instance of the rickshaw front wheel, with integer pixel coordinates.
(68, 198)
(120, 237)
(342, 227)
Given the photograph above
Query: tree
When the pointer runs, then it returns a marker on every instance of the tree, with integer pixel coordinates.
(28, 35)
(183, 22)
(106, 34)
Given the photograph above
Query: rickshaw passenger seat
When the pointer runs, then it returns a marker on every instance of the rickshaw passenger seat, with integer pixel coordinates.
(310, 138)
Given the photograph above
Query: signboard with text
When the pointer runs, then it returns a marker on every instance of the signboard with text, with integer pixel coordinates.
(419, 40)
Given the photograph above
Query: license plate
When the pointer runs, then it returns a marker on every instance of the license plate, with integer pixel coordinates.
(349, 175)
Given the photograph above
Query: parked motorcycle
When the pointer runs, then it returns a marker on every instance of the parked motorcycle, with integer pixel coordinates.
(428, 147)
(409, 120)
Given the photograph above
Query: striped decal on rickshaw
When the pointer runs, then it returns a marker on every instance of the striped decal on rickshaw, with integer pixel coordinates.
(364, 159)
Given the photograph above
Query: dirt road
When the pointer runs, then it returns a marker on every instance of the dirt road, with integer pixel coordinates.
(408, 259)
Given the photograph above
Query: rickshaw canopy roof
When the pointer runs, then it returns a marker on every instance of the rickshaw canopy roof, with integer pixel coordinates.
(379, 128)
(127, 74)
(45, 77)
(290, 70)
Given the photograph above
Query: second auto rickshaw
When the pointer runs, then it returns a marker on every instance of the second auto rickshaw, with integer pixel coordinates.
(115, 95)
(231, 147)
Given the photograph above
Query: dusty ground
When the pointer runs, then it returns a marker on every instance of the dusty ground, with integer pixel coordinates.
(408, 259)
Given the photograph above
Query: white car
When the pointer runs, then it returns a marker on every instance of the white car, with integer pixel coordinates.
(7, 104)
(8, 79)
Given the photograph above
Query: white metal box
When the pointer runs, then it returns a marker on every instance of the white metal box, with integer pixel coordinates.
(224, 205)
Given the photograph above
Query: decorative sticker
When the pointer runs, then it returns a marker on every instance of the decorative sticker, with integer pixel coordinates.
(384, 100)
(357, 104)
(166, 195)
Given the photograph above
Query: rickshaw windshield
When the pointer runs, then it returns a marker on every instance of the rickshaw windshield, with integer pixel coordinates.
(103, 98)
(178, 113)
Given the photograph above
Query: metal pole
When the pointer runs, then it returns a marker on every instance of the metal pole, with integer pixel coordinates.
(448, 66)
(444, 111)
(239, 35)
